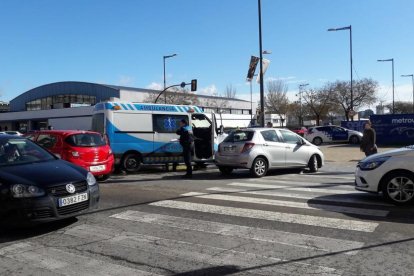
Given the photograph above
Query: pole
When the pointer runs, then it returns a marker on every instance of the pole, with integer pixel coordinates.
(300, 104)
(251, 102)
(412, 78)
(350, 50)
(165, 84)
(262, 109)
(393, 102)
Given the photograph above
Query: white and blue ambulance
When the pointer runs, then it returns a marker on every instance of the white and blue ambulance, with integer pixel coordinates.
(330, 134)
(142, 133)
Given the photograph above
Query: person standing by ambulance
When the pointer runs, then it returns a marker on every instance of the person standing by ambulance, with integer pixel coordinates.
(186, 141)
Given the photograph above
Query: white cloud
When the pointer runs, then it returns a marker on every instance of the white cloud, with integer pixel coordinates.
(126, 80)
(155, 86)
(401, 93)
(210, 90)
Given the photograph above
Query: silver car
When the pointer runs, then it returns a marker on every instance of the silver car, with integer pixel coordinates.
(260, 149)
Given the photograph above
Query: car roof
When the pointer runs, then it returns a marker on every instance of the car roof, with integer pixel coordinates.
(63, 132)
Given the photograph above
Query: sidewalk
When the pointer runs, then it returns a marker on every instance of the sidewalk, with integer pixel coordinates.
(346, 152)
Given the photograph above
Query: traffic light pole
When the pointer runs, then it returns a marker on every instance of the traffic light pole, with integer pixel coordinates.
(193, 84)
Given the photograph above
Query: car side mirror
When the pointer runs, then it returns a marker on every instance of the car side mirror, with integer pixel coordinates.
(301, 142)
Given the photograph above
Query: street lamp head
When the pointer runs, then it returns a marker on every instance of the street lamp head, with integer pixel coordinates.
(304, 84)
(266, 52)
(381, 60)
(411, 75)
(331, 30)
(170, 56)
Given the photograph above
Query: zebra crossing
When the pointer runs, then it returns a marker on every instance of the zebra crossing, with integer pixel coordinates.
(196, 231)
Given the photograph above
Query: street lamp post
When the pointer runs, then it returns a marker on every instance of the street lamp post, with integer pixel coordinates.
(350, 52)
(393, 95)
(262, 109)
(251, 99)
(412, 79)
(165, 83)
(300, 102)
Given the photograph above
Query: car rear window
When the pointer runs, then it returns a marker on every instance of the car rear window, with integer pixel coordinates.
(239, 136)
(85, 140)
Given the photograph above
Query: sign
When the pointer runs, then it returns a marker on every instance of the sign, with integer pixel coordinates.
(394, 129)
(265, 63)
(252, 67)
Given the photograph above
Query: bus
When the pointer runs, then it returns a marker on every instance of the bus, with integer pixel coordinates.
(141, 133)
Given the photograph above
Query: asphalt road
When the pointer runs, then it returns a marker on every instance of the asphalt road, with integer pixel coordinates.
(287, 223)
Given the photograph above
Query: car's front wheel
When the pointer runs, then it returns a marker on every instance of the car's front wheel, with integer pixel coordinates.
(399, 188)
(225, 170)
(354, 139)
(317, 141)
(259, 167)
(313, 164)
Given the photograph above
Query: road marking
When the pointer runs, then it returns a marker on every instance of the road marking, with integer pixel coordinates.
(301, 205)
(267, 265)
(330, 197)
(335, 223)
(302, 189)
(273, 236)
(302, 181)
(330, 176)
(64, 263)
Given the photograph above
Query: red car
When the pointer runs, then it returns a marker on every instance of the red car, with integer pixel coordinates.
(300, 131)
(86, 149)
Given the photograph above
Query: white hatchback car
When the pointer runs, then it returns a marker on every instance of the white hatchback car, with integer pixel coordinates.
(260, 149)
(329, 134)
(390, 172)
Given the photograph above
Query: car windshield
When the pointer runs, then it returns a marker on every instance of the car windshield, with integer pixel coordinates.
(86, 140)
(21, 151)
(239, 136)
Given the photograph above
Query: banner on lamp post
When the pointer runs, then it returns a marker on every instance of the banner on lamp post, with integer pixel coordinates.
(252, 67)
(265, 64)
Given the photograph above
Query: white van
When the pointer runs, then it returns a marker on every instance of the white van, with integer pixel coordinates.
(142, 133)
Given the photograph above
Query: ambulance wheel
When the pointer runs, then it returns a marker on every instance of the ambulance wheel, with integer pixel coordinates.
(225, 170)
(317, 141)
(131, 162)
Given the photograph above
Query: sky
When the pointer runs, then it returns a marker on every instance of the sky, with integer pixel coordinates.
(122, 42)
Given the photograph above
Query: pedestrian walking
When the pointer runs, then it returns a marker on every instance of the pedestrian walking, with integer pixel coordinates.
(186, 141)
(368, 142)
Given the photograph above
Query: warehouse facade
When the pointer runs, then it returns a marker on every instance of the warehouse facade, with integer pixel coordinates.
(69, 105)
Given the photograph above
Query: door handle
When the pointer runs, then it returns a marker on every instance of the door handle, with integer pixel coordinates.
(265, 145)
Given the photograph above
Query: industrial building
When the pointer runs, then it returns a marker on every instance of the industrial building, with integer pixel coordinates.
(69, 105)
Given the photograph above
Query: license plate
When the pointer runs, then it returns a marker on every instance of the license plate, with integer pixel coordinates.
(228, 149)
(73, 199)
(97, 168)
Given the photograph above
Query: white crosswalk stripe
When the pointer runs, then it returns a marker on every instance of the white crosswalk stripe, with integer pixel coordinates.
(64, 263)
(297, 240)
(334, 223)
(266, 265)
(293, 204)
(333, 190)
(329, 197)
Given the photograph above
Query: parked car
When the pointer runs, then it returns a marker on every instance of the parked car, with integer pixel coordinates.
(300, 131)
(11, 132)
(390, 172)
(87, 149)
(329, 134)
(36, 186)
(260, 149)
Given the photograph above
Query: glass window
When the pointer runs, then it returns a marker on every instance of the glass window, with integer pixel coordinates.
(21, 151)
(167, 123)
(46, 140)
(85, 140)
(239, 136)
(270, 136)
(200, 121)
(290, 137)
(98, 122)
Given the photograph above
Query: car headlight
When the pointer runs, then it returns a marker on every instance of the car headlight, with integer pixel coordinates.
(21, 191)
(373, 164)
(90, 179)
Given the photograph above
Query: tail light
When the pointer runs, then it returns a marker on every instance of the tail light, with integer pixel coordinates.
(247, 147)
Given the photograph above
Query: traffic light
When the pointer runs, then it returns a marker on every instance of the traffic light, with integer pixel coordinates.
(193, 85)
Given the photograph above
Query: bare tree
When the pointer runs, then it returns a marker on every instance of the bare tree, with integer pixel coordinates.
(319, 102)
(216, 101)
(174, 96)
(276, 101)
(401, 107)
(230, 92)
(364, 93)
